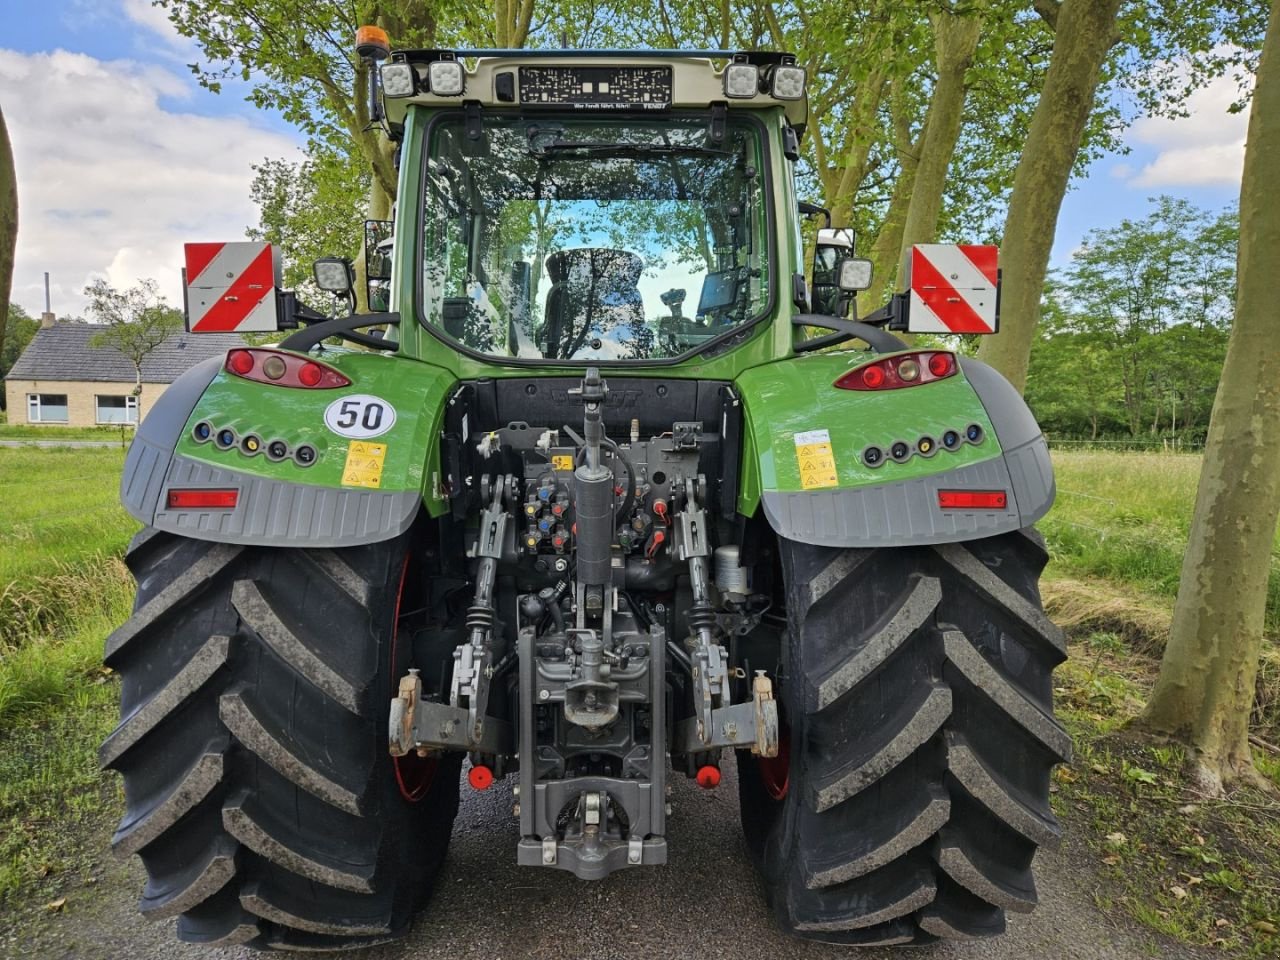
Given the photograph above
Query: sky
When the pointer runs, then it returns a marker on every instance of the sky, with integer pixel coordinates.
(122, 157)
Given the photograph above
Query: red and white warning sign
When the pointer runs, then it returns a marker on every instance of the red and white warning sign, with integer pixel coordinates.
(231, 286)
(954, 288)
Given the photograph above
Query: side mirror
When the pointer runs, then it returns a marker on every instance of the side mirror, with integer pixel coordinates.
(378, 241)
(854, 274)
(833, 247)
(334, 275)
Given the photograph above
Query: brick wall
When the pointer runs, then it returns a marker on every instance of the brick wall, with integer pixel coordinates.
(81, 405)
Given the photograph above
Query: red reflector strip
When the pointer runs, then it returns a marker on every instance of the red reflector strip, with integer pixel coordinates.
(973, 499)
(203, 499)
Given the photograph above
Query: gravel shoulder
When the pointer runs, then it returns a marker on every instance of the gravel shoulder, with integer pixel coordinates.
(706, 902)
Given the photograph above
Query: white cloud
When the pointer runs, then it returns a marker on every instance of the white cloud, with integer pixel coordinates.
(155, 20)
(1205, 148)
(109, 183)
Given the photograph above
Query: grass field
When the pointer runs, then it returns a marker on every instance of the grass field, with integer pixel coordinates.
(26, 431)
(62, 584)
(1125, 517)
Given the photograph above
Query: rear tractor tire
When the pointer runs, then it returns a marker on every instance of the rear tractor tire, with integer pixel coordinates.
(916, 687)
(255, 688)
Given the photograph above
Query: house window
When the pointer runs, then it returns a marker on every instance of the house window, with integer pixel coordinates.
(47, 407)
(117, 409)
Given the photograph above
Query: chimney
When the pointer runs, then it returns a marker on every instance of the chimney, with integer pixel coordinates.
(47, 319)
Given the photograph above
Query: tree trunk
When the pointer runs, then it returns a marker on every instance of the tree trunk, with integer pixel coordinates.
(380, 208)
(1085, 31)
(884, 252)
(1206, 686)
(955, 40)
(8, 224)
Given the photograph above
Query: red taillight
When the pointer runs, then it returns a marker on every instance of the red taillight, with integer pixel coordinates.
(310, 374)
(903, 370)
(203, 499)
(973, 499)
(942, 364)
(240, 362)
(708, 777)
(264, 366)
(480, 777)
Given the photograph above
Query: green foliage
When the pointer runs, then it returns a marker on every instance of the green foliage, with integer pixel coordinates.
(18, 330)
(310, 209)
(1135, 330)
(136, 320)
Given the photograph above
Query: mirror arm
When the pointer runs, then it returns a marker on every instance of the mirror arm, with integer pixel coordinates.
(881, 341)
(344, 327)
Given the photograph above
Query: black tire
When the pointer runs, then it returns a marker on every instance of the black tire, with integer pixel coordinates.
(916, 687)
(255, 688)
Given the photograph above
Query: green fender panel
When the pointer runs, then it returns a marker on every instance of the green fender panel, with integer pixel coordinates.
(352, 490)
(804, 461)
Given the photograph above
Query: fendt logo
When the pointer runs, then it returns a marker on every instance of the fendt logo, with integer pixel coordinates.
(616, 398)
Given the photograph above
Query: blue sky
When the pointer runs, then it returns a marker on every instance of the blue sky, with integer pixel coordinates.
(122, 156)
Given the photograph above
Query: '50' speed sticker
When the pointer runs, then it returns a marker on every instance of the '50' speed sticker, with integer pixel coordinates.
(360, 416)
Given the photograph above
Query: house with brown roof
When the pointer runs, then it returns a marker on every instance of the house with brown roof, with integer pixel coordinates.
(64, 379)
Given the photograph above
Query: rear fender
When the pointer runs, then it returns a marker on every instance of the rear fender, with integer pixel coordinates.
(806, 442)
(354, 490)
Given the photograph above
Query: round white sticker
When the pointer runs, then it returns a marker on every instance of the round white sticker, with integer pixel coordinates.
(360, 416)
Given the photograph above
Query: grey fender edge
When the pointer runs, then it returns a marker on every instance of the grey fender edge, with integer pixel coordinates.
(157, 437)
(906, 513)
(268, 512)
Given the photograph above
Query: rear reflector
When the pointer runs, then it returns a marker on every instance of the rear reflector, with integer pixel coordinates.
(973, 499)
(203, 499)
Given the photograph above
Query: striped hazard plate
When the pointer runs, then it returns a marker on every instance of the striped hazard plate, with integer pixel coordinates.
(954, 288)
(230, 287)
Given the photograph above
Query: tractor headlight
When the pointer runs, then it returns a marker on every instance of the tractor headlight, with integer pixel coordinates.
(398, 80)
(741, 80)
(788, 83)
(445, 78)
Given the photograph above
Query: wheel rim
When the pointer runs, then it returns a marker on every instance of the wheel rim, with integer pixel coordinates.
(775, 772)
(414, 774)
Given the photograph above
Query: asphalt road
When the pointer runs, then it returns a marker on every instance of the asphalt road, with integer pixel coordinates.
(704, 903)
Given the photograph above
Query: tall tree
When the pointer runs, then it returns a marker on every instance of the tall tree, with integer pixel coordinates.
(136, 321)
(1084, 33)
(8, 222)
(1206, 685)
(955, 37)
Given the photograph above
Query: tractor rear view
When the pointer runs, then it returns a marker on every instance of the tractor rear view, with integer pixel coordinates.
(607, 495)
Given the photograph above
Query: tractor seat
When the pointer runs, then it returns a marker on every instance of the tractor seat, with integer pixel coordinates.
(593, 290)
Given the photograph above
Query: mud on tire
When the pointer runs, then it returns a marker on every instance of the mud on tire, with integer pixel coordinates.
(916, 685)
(255, 686)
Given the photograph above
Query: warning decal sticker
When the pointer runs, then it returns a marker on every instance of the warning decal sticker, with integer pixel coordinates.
(562, 461)
(817, 462)
(364, 464)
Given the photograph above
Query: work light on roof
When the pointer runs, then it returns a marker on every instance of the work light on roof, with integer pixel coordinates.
(787, 82)
(398, 80)
(445, 78)
(741, 80)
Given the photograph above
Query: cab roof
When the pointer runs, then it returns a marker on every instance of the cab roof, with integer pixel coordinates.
(588, 80)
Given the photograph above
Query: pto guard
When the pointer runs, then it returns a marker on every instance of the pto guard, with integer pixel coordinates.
(815, 486)
(356, 490)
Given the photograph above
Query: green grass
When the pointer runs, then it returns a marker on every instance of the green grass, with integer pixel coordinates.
(31, 431)
(63, 586)
(53, 797)
(1203, 872)
(1124, 517)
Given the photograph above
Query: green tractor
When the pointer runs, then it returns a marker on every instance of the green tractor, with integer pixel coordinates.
(607, 494)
